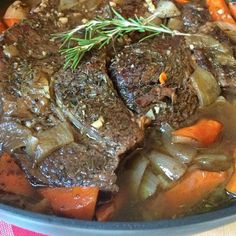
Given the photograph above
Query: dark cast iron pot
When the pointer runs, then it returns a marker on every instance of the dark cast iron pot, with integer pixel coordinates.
(59, 226)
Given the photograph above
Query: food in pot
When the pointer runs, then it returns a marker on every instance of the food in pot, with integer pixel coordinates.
(118, 110)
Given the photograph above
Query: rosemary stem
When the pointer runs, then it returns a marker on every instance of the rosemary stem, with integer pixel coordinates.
(100, 32)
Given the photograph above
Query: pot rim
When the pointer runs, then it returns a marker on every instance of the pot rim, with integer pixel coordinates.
(218, 215)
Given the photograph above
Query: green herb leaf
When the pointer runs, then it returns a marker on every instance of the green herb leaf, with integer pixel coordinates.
(100, 32)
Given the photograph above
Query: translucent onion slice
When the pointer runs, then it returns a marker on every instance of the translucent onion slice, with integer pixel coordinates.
(213, 162)
(206, 86)
(68, 4)
(171, 167)
(166, 9)
(148, 185)
(185, 153)
(185, 140)
(229, 29)
(137, 170)
(52, 139)
(14, 135)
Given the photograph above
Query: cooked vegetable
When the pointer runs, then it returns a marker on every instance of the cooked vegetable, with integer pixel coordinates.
(232, 7)
(205, 85)
(205, 132)
(182, 1)
(166, 9)
(175, 23)
(16, 12)
(67, 4)
(11, 51)
(194, 187)
(148, 185)
(213, 162)
(2, 27)
(52, 139)
(137, 170)
(163, 78)
(207, 42)
(185, 153)
(219, 11)
(165, 182)
(228, 28)
(12, 179)
(171, 167)
(76, 202)
(231, 185)
(14, 135)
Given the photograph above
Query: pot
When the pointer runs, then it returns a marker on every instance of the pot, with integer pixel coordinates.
(59, 226)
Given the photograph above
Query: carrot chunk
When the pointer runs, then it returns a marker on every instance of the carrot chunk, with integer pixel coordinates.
(231, 185)
(232, 7)
(194, 187)
(76, 202)
(219, 11)
(12, 179)
(182, 1)
(204, 131)
(163, 78)
(11, 21)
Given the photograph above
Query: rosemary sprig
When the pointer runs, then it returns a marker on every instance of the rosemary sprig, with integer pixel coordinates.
(100, 32)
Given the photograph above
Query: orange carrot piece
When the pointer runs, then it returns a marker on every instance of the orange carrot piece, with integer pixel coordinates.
(11, 21)
(232, 7)
(12, 179)
(204, 131)
(219, 11)
(231, 185)
(194, 187)
(76, 202)
(182, 1)
(2, 27)
(163, 78)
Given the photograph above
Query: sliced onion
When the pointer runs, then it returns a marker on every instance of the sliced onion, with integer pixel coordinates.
(208, 42)
(213, 162)
(183, 152)
(229, 29)
(175, 23)
(14, 135)
(171, 167)
(221, 53)
(67, 4)
(166, 9)
(148, 185)
(17, 11)
(138, 168)
(185, 140)
(165, 183)
(206, 86)
(52, 139)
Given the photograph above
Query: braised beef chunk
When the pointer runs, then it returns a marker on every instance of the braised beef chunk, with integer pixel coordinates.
(74, 133)
(76, 164)
(136, 71)
(88, 99)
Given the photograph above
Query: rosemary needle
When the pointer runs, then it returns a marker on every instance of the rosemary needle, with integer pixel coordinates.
(100, 32)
